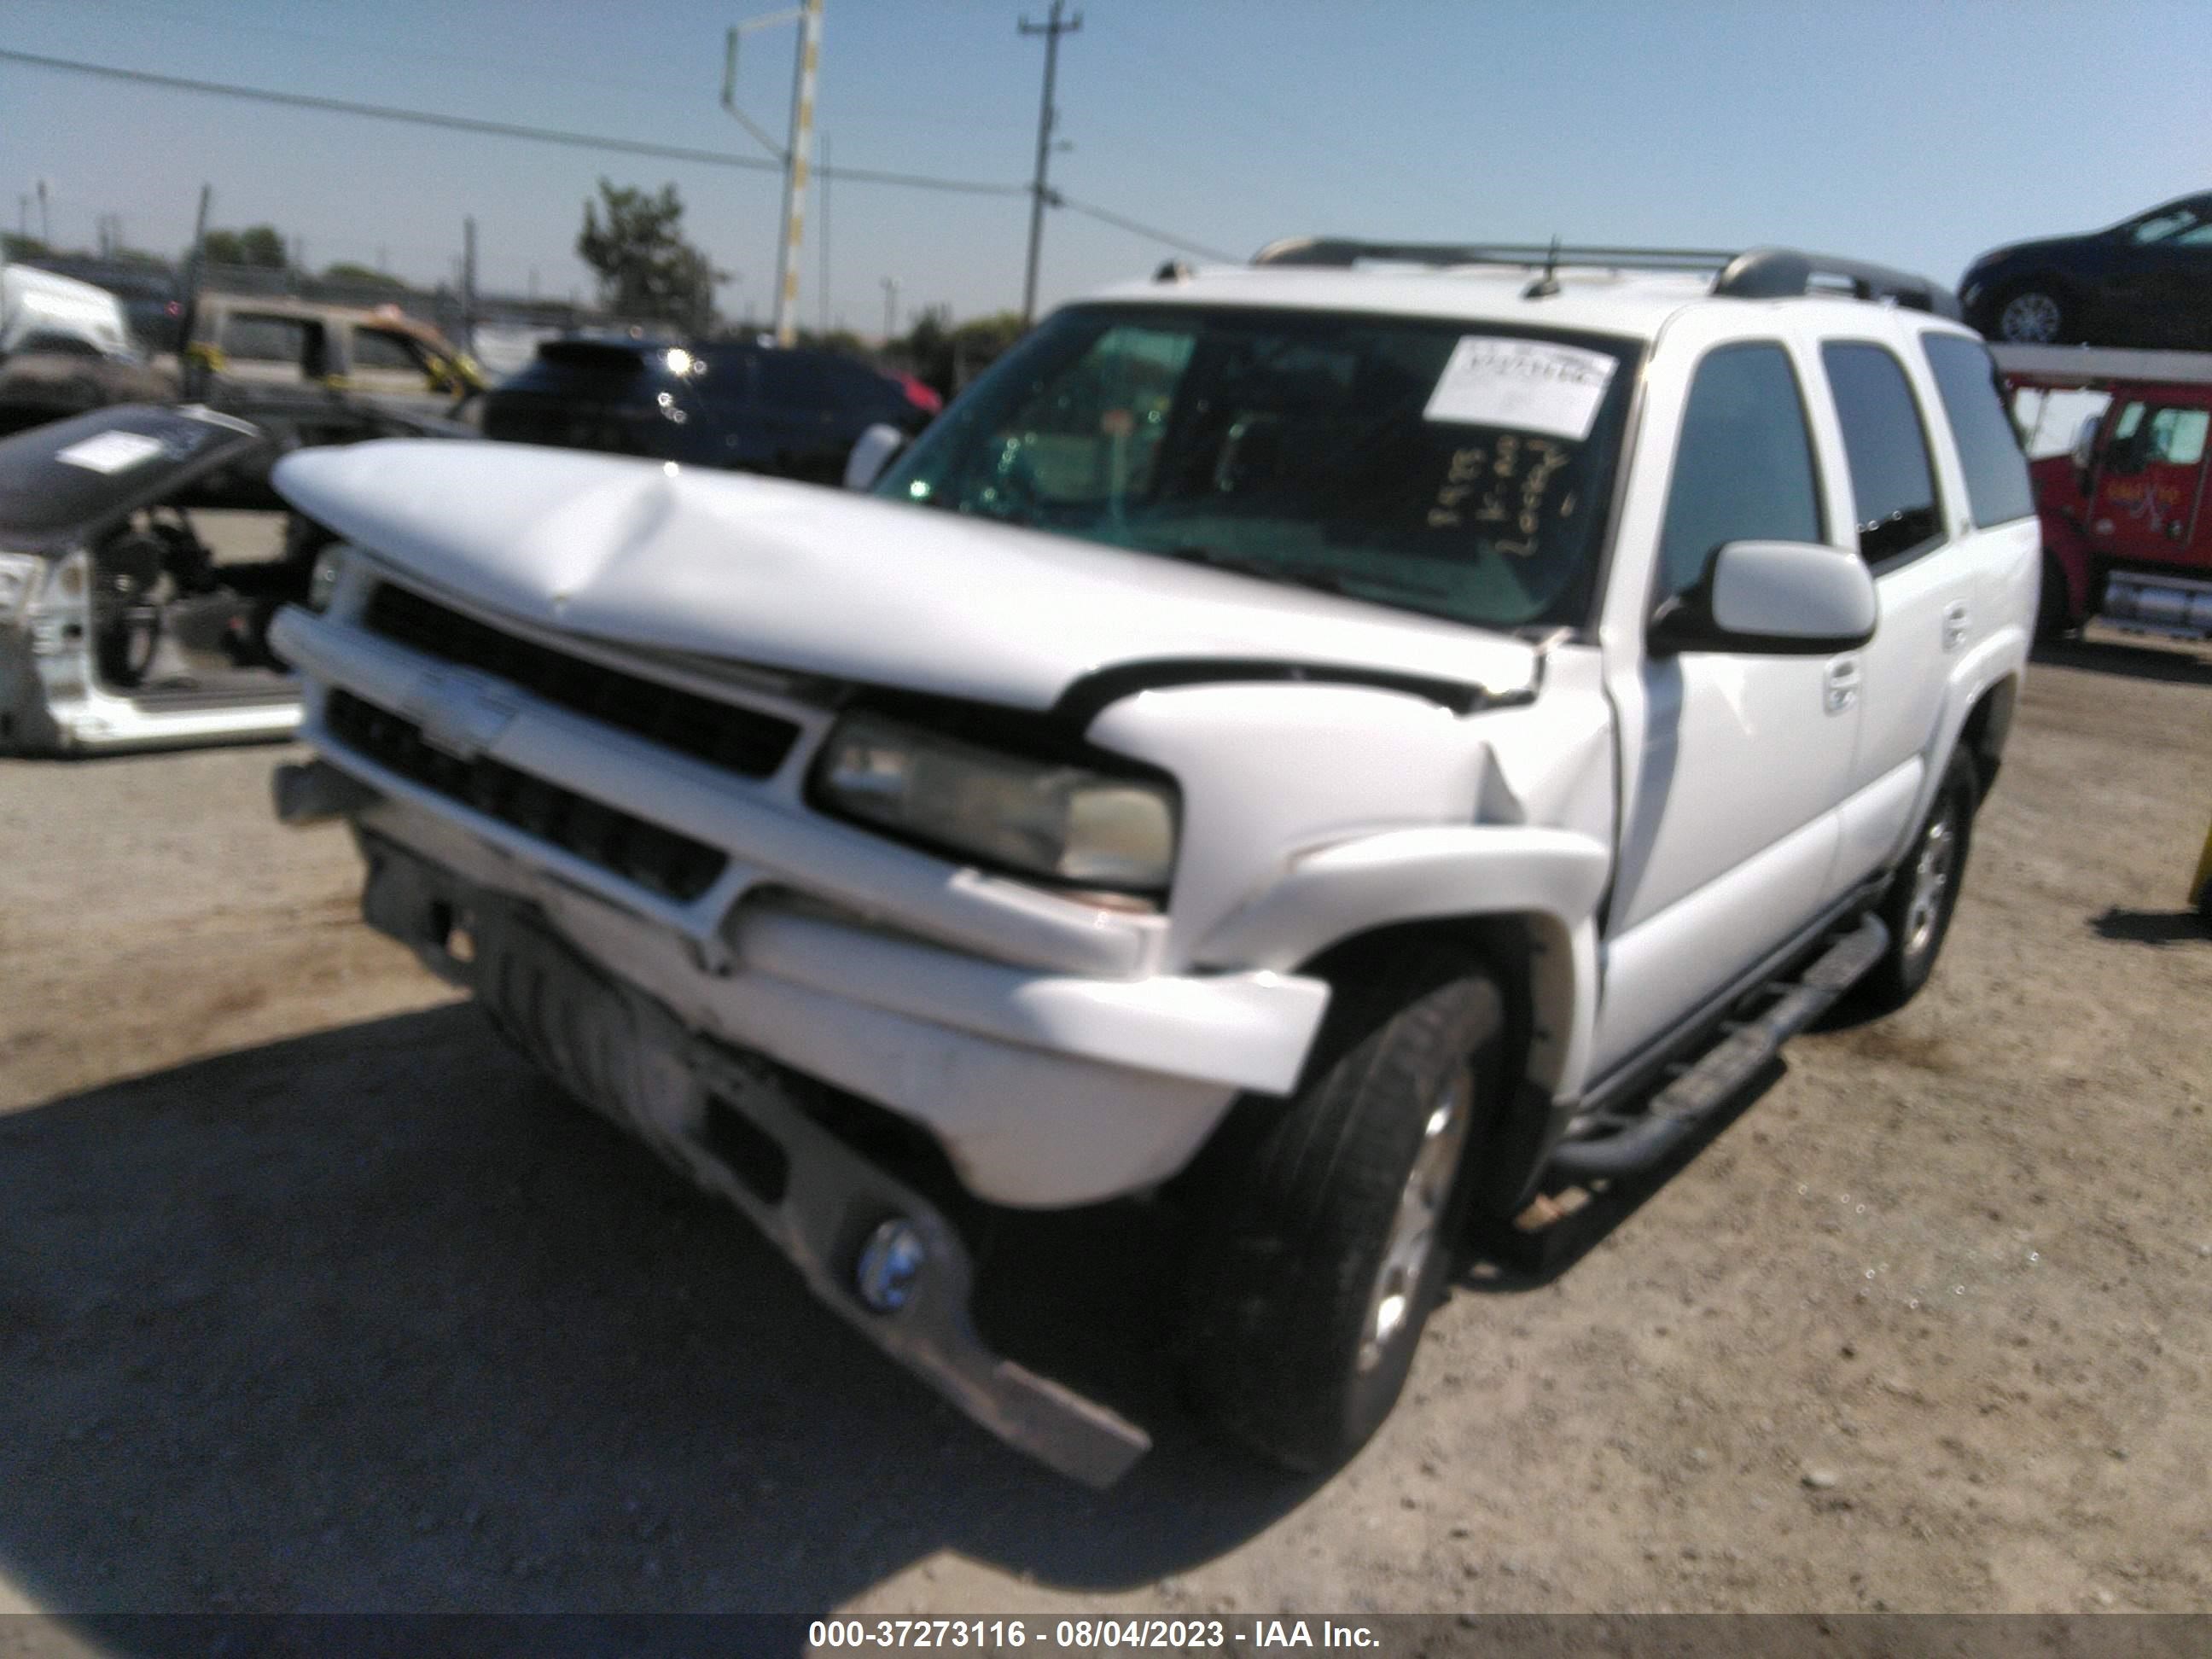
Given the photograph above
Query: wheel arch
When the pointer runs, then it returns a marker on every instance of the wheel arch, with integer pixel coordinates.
(1513, 901)
(1547, 978)
(1987, 723)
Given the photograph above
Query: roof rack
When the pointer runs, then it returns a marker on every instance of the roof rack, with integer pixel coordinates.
(1759, 273)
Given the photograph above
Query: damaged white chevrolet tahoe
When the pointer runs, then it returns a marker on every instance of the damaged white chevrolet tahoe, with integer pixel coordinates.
(1344, 743)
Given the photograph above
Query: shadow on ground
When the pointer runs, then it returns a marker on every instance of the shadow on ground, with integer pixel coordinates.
(2141, 662)
(368, 1321)
(365, 1321)
(2152, 927)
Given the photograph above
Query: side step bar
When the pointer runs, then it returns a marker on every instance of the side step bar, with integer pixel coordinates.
(1725, 1068)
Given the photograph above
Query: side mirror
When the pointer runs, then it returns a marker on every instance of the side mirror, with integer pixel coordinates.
(1772, 599)
(872, 454)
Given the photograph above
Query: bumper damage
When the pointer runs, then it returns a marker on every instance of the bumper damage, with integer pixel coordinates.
(725, 1118)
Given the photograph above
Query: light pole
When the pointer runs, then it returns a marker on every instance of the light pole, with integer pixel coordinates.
(793, 154)
(1052, 29)
(890, 308)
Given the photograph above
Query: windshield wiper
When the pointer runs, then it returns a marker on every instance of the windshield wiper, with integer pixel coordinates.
(1323, 581)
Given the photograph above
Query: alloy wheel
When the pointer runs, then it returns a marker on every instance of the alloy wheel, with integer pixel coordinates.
(1414, 1229)
(2030, 318)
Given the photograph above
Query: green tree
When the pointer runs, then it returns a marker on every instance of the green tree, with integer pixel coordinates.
(13, 246)
(646, 271)
(256, 244)
(361, 275)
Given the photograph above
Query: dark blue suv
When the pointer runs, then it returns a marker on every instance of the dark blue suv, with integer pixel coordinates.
(792, 412)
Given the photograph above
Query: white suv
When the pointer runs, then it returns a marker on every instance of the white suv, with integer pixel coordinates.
(1342, 742)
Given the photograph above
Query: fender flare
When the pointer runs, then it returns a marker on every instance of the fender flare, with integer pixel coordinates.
(1550, 880)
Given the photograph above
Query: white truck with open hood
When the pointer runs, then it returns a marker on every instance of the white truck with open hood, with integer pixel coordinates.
(1337, 749)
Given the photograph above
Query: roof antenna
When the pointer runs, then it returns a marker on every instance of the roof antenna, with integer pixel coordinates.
(1547, 284)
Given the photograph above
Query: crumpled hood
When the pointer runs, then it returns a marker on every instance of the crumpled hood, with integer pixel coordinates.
(819, 581)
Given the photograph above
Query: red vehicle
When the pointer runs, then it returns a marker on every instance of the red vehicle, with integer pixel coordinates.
(2126, 523)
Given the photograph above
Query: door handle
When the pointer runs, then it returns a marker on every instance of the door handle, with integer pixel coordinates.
(1954, 625)
(1842, 685)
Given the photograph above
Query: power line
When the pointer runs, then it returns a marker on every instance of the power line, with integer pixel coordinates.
(495, 128)
(1147, 231)
(599, 141)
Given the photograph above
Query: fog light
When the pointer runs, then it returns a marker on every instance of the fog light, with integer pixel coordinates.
(889, 1266)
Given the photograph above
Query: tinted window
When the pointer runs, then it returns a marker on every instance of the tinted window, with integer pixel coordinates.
(2166, 224)
(1743, 470)
(265, 339)
(1398, 460)
(1989, 450)
(1892, 486)
(374, 348)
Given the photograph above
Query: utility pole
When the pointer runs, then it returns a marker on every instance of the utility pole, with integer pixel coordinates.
(193, 372)
(468, 285)
(890, 307)
(821, 190)
(1052, 29)
(46, 221)
(793, 154)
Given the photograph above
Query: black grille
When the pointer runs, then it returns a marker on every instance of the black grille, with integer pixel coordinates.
(724, 734)
(658, 858)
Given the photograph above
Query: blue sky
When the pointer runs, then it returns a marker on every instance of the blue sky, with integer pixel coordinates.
(1917, 135)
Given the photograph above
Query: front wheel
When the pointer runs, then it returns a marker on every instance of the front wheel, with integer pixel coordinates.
(1923, 893)
(1329, 1218)
(2033, 314)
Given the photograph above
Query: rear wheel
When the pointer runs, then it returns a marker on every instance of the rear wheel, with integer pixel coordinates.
(1924, 892)
(1330, 1217)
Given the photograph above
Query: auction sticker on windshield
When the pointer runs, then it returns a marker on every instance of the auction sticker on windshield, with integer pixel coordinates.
(112, 452)
(1523, 386)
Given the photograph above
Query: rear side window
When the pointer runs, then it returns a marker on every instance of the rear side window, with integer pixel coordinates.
(1998, 490)
(1891, 483)
(1744, 469)
(265, 339)
(375, 347)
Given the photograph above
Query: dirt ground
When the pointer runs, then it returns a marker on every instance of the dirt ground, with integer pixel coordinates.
(310, 1299)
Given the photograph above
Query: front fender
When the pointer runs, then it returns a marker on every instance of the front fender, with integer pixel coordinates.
(1550, 879)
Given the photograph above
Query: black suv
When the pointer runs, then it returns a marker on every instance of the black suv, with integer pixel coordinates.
(792, 412)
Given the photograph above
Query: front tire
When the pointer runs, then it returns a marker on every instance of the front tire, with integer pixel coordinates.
(1329, 1219)
(2034, 313)
(1924, 892)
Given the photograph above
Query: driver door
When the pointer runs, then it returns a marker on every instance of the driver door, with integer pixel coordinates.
(1735, 764)
(2150, 486)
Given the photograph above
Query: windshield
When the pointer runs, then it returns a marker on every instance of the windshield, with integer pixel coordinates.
(1457, 469)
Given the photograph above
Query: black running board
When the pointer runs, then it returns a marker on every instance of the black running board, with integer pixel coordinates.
(1726, 1066)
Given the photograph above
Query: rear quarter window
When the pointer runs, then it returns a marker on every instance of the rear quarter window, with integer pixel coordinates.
(1893, 482)
(1997, 489)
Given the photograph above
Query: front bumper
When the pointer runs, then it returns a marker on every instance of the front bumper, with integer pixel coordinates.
(728, 1121)
(1023, 1032)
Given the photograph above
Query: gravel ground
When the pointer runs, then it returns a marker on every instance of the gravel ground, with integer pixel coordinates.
(310, 1300)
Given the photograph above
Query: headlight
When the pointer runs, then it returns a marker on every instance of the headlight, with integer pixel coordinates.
(19, 583)
(1044, 818)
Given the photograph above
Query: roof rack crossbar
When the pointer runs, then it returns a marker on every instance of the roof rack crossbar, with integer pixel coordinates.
(1759, 273)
